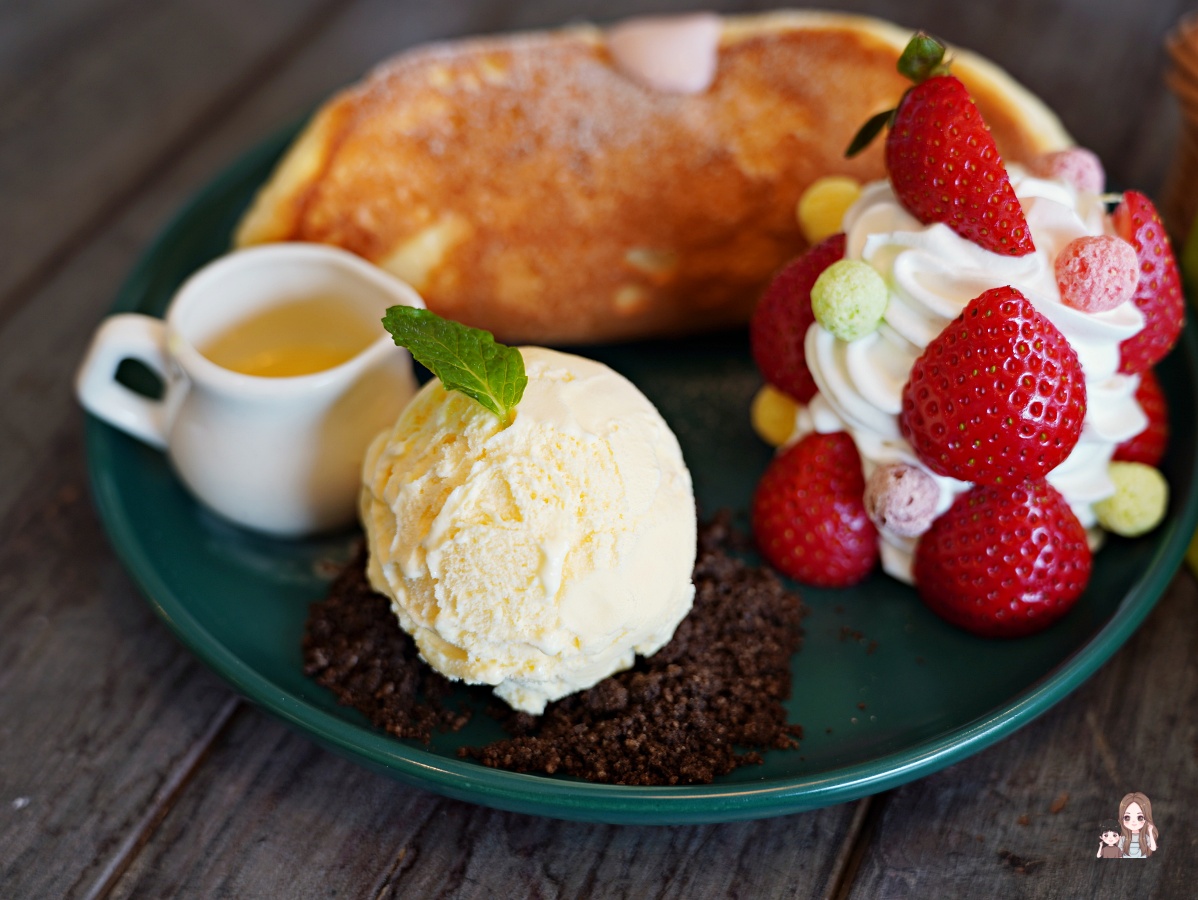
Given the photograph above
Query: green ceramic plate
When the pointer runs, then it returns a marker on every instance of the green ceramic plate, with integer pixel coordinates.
(885, 691)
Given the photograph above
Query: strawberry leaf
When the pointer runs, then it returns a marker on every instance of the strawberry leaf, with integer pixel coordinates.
(868, 132)
(465, 359)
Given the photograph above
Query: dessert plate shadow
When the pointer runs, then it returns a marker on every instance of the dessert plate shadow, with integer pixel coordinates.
(884, 690)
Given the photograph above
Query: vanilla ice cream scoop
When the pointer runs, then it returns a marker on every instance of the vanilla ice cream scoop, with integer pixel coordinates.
(538, 556)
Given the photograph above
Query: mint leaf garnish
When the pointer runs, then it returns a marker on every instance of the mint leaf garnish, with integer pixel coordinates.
(465, 359)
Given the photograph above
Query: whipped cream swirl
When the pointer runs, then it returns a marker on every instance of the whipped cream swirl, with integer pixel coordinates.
(932, 274)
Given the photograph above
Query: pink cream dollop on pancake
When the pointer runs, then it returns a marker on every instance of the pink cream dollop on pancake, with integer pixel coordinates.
(672, 54)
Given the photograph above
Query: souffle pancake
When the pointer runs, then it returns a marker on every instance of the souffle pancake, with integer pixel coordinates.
(531, 185)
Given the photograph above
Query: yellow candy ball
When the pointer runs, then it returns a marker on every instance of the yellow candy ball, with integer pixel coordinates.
(822, 206)
(1192, 554)
(773, 415)
(1139, 502)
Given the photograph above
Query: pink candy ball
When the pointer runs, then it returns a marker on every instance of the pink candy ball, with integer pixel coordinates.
(901, 498)
(1076, 166)
(1098, 273)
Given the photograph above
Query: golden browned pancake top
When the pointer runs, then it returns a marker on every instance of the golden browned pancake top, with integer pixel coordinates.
(525, 185)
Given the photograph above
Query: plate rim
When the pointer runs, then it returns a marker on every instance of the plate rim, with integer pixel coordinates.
(576, 799)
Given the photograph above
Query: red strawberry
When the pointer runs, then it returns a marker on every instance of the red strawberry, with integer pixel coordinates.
(782, 317)
(808, 515)
(1148, 446)
(1159, 292)
(942, 159)
(945, 167)
(1003, 561)
(996, 397)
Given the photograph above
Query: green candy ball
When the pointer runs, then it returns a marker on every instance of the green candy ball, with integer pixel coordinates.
(849, 299)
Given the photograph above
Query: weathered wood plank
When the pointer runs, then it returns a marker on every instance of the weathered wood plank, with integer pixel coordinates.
(103, 713)
(92, 753)
(99, 707)
(101, 94)
(273, 815)
(987, 826)
(811, 859)
(105, 719)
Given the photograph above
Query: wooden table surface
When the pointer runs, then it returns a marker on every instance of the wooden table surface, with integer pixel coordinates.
(128, 769)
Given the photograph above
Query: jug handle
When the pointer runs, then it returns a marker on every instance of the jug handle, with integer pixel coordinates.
(120, 337)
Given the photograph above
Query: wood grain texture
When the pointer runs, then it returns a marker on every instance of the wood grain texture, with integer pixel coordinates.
(100, 707)
(273, 815)
(987, 826)
(126, 769)
(101, 94)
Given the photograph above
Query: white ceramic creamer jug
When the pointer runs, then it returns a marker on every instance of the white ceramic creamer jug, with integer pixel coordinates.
(277, 373)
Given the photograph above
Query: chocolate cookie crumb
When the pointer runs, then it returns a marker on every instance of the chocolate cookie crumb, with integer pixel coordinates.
(679, 716)
(354, 646)
(704, 704)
